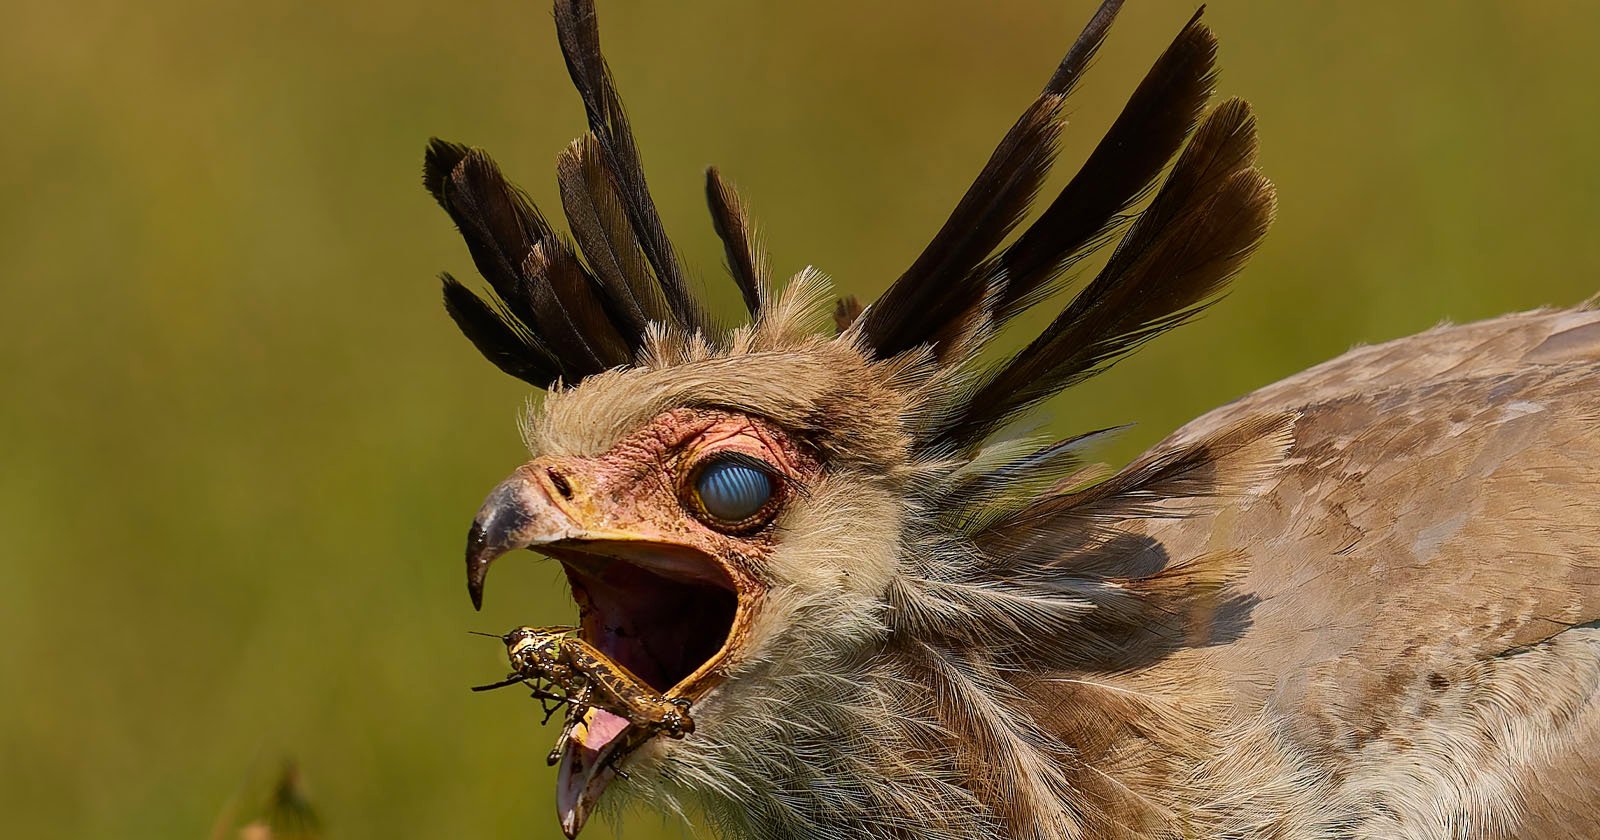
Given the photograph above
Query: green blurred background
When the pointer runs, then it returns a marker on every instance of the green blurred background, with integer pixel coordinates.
(244, 442)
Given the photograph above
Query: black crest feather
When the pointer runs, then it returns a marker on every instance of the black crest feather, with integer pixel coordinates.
(579, 34)
(1203, 224)
(600, 225)
(1158, 116)
(500, 336)
(945, 288)
(745, 261)
(560, 313)
(536, 276)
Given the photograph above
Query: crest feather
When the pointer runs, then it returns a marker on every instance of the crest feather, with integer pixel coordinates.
(621, 295)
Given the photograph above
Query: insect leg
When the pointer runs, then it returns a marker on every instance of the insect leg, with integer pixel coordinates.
(577, 707)
(510, 680)
(613, 758)
(550, 708)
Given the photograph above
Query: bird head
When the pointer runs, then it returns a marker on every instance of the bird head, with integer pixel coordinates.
(805, 525)
(716, 513)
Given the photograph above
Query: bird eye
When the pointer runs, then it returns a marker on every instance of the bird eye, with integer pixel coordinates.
(731, 491)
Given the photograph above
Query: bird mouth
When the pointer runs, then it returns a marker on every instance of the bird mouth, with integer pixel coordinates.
(664, 612)
(667, 614)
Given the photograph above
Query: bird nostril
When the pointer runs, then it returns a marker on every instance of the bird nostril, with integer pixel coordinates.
(559, 481)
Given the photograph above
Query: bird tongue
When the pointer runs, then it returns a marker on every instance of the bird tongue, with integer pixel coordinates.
(584, 772)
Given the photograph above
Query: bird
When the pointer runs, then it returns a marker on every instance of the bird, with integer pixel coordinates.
(1360, 602)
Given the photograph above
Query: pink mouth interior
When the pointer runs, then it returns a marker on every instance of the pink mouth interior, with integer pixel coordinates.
(660, 612)
(604, 727)
(660, 628)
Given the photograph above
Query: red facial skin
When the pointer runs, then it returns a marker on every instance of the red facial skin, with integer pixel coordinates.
(640, 488)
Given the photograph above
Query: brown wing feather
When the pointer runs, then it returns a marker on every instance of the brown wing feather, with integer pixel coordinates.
(1422, 571)
(1412, 600)
(1454, 465)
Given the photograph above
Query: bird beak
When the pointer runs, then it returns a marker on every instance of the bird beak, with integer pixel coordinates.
(652, 601)
(586, 769)
(519, 513)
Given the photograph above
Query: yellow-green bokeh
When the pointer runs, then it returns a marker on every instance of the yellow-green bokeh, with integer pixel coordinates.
(244, 442)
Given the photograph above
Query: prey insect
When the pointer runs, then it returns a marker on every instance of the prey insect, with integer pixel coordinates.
(536, 662)
(564, 670)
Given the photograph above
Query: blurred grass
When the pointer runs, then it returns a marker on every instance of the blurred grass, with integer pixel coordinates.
(280, 811)
(245, 442)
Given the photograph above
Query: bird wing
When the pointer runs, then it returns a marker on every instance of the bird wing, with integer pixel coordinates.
(1441, 485)
(1508, 344)
(1422, 579)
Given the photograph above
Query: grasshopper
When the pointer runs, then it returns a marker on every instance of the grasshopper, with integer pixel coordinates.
(536, 661)
(551, 658)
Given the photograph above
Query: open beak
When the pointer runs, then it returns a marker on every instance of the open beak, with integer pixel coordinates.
(665, 610)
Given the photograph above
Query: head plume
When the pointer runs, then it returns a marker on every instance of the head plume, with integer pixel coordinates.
(566, 309)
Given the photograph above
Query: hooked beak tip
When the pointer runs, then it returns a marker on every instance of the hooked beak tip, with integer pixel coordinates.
(479, 555)
(517, 514)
